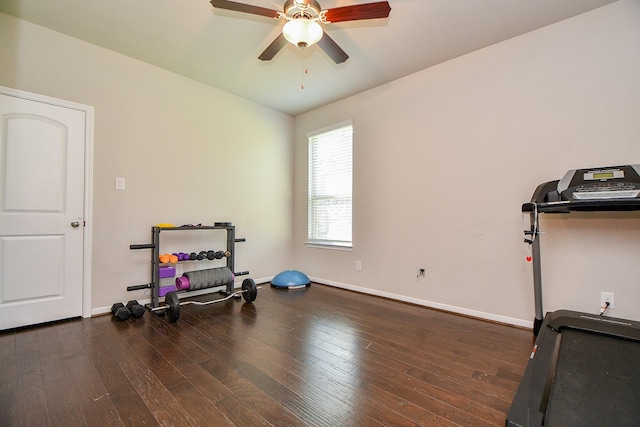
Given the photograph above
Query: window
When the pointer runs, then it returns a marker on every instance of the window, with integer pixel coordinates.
(330, 187)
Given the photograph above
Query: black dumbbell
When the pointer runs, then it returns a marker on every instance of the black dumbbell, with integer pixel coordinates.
(120, 311)
(135, 308)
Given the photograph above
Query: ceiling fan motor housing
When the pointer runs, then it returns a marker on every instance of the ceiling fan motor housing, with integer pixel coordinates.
(294, 9)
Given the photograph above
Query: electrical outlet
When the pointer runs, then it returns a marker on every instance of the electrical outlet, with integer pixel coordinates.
(606, 297)
(359, 265)
(120, 183)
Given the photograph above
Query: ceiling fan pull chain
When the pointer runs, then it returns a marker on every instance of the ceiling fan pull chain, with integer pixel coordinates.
(304, 72)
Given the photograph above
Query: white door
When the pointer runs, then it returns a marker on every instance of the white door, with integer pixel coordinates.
(41, 211)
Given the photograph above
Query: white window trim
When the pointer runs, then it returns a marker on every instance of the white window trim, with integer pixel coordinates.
(331, 244)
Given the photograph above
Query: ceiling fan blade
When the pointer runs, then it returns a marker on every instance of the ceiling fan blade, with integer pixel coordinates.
(247, 8)
(332, 49)
(357, 12)
(273, 48)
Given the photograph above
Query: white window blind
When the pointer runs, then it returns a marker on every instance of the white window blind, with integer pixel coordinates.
(330, 186)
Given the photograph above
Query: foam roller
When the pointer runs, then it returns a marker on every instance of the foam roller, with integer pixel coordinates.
(209, 278)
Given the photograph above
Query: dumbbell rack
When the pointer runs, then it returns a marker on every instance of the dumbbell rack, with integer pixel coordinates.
(155, 255)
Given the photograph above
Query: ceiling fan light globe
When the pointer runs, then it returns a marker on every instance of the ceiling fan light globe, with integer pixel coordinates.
(302, 32)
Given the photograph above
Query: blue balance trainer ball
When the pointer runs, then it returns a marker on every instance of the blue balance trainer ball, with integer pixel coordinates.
(290, 279)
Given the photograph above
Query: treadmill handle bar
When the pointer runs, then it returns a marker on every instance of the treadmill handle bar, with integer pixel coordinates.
(532, 238)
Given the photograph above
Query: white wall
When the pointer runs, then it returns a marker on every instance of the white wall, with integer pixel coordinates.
(490, 126)
(444, 159)
(189, 153)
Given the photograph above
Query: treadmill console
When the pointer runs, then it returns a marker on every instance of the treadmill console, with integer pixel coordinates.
(611, 182)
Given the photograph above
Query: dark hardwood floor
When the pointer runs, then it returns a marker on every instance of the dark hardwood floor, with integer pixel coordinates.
(315, 357)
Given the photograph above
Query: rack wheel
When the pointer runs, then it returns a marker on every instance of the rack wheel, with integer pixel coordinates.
(249, 290)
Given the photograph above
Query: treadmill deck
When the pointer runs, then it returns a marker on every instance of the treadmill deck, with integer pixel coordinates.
(584, 371)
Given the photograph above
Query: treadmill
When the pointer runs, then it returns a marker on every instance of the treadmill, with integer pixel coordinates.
(584, 369)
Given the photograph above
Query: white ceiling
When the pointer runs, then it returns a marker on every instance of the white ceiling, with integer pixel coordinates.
(220, 47)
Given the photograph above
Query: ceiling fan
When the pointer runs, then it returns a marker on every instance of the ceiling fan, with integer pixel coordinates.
(303, 18)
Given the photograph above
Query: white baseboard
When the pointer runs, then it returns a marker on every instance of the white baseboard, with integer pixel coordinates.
(425, 303)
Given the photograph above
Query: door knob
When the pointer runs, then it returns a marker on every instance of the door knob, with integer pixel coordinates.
(75, 224)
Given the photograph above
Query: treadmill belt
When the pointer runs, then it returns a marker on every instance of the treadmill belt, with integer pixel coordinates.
(596, 383)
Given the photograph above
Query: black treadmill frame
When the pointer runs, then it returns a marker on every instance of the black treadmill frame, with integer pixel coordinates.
(532, 398)
(546, 199)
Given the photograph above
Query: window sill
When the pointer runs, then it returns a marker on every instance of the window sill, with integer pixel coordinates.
(330, 245)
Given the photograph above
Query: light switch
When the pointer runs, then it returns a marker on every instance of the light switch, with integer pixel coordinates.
(119, 183)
